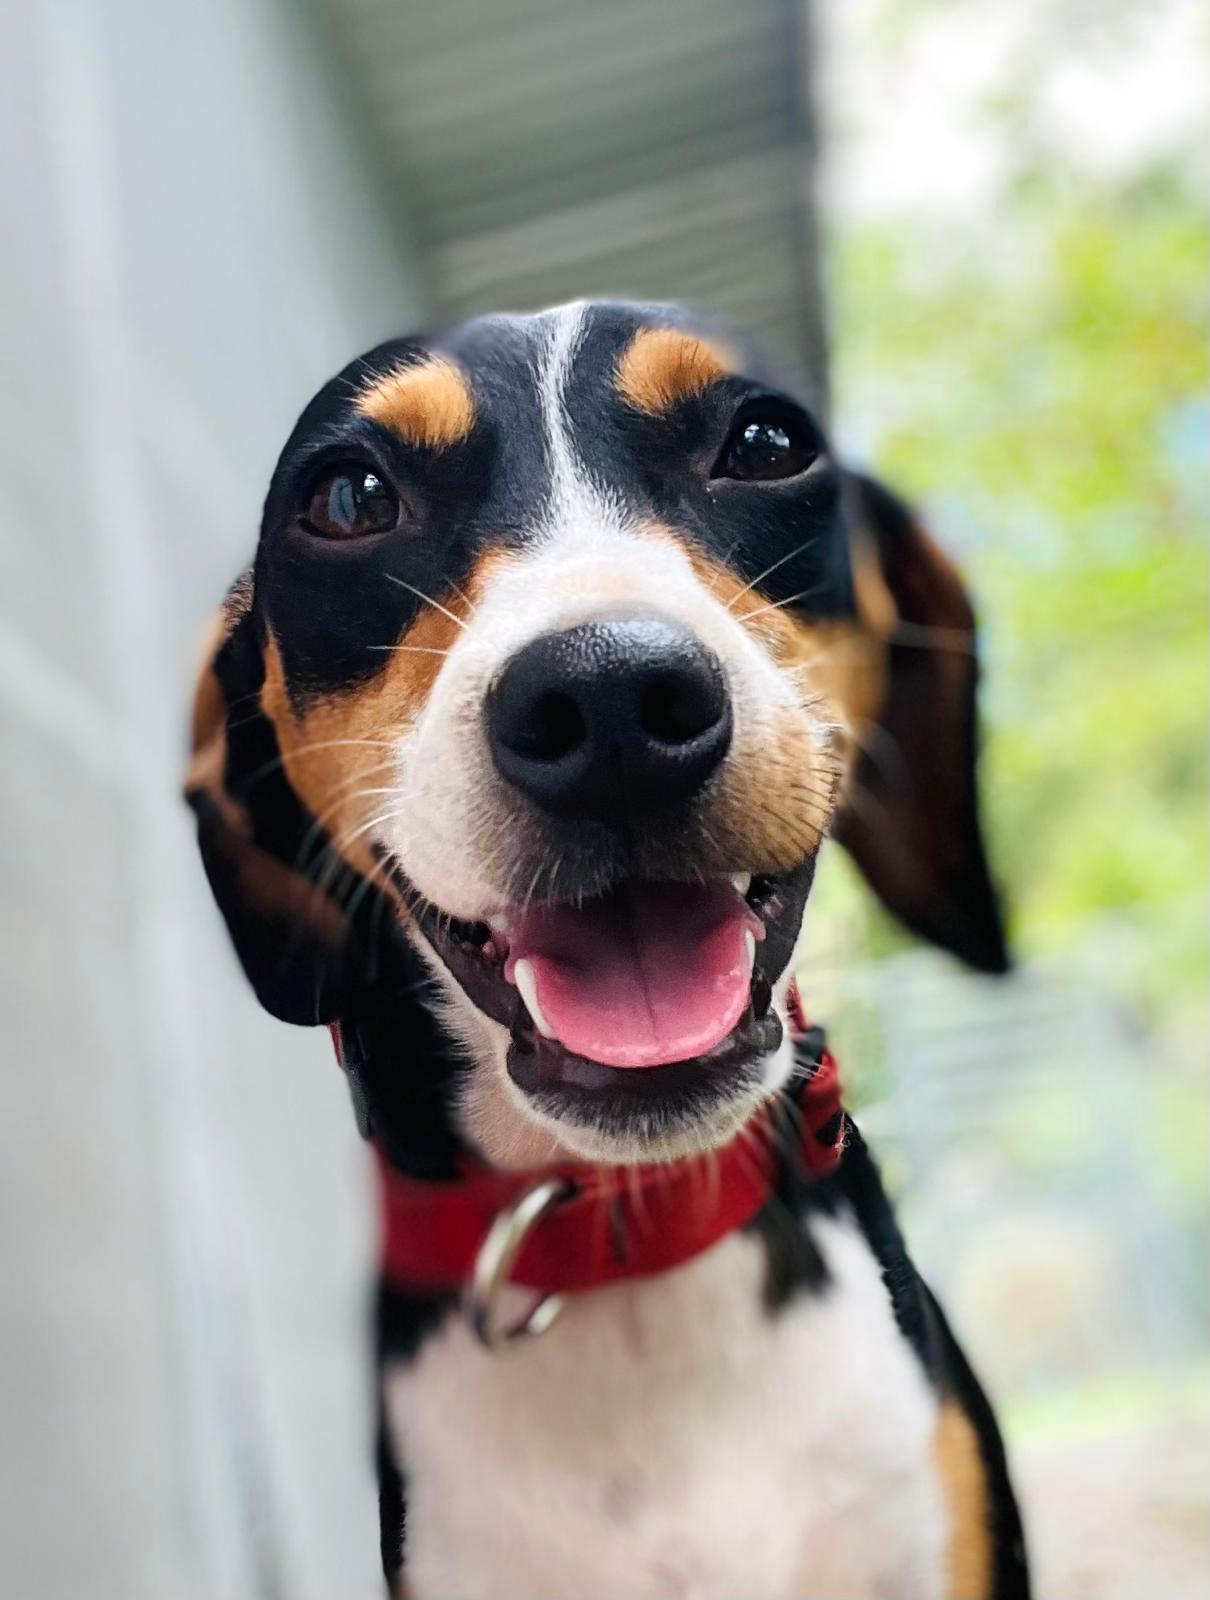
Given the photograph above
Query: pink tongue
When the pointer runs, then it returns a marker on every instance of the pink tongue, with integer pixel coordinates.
(653, 973)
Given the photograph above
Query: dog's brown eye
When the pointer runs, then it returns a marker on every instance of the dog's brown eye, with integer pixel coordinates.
(351, 502)
(765, 447)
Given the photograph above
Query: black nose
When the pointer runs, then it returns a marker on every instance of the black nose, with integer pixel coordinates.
(619, 718)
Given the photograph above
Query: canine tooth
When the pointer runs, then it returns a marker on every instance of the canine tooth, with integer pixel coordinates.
(742, 881)
(523, 977)
(750, 948)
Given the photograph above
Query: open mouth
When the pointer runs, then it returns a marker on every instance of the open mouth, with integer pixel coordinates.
(648, 1005)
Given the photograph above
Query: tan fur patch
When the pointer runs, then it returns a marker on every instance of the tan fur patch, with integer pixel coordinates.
(839, 664)
(208, 761)
(427, 403)
(798, 779)
(661, 366)
(209, 708)
(257, 878)
(341, 748)
(964, 1487)
(875, 602)
(292, 899)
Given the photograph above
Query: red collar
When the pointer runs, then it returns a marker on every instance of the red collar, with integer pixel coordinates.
(609, 1222)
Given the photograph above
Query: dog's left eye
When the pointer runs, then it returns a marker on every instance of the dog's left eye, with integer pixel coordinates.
(764, 446)
(351, 502)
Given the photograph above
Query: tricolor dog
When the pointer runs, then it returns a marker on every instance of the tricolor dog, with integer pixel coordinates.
(565, 647)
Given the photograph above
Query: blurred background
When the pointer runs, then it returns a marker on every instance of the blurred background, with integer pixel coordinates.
(981, 230)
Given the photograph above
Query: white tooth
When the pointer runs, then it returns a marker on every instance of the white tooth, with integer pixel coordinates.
(750, 949)
(742, 881)
(523, 977)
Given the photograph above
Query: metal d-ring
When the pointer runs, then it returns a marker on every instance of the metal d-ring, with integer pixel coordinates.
(495, 1260)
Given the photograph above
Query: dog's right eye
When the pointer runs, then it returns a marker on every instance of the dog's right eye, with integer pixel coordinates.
(351, 501)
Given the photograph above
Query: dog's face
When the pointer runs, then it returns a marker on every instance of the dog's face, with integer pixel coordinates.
(564, 632)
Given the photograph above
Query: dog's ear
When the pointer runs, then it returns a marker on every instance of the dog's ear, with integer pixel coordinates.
(911, 815)
(259, 844)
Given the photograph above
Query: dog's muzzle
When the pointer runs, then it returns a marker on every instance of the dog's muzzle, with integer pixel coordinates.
(617, 721)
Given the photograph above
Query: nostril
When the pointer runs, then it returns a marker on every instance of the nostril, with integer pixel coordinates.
(553, 728)
(610, 720)
(677, 707)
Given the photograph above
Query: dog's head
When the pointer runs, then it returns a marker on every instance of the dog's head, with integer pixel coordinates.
(565, 645)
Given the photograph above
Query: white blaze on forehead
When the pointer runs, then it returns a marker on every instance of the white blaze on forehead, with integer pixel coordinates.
(576, 499)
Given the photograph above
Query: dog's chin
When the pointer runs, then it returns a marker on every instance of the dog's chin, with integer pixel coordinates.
(613, 1115)
(589, 1056)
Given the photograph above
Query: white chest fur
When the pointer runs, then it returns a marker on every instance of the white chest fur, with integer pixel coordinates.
(671, 1438)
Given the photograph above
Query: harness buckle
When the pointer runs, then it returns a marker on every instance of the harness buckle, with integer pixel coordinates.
(497, 1256)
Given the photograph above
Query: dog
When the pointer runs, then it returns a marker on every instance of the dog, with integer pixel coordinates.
(566, 644)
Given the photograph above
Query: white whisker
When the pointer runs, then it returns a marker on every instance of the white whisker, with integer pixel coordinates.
(412, 649)
(427, 598)
(778, 605)
(760, 578)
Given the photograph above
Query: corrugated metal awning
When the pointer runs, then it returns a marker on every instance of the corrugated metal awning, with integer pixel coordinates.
(546, 150)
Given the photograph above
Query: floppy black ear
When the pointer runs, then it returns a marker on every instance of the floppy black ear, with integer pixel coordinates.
(302, 953)
(911, 817)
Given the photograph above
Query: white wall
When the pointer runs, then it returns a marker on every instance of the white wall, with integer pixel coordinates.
(192, 242)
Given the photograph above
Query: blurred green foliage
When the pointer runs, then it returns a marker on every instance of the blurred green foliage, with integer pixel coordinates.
(1033, 374)
(1037, 380)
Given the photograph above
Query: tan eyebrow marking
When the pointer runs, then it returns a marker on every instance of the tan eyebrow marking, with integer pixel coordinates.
(426, 403)
(663, 365)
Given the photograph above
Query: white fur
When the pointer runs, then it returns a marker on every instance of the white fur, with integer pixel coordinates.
(673, 1438)
(575, 500)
